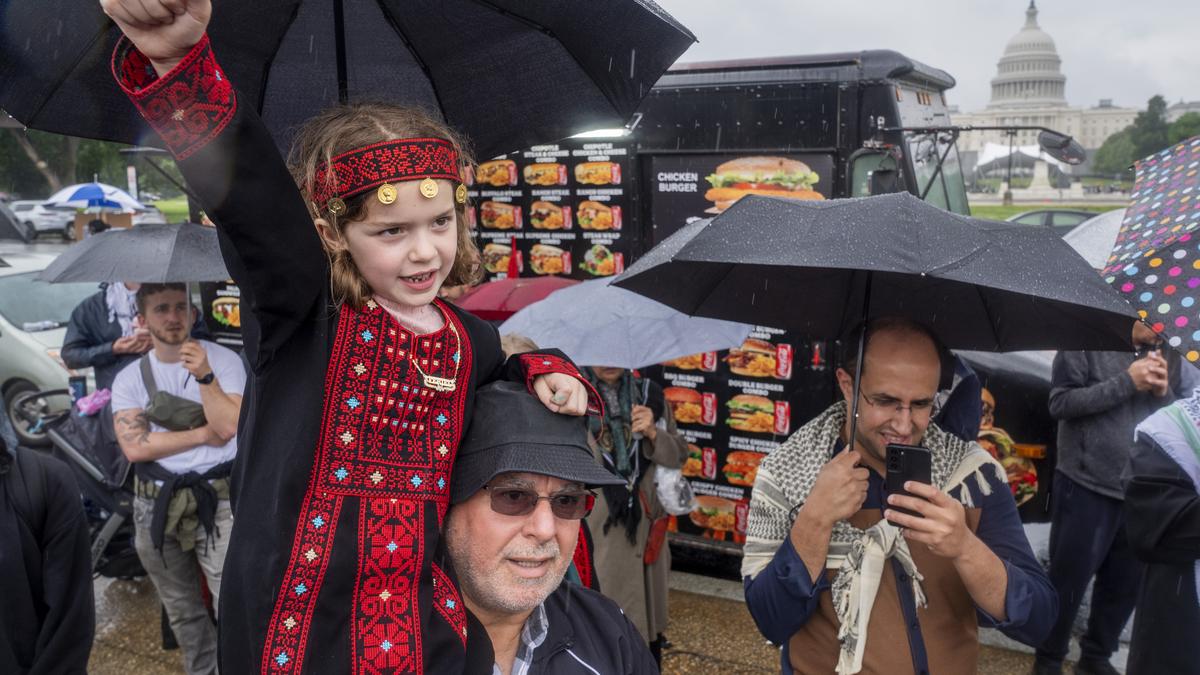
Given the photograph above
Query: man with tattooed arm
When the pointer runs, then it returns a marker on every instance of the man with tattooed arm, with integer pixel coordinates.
(176, 416)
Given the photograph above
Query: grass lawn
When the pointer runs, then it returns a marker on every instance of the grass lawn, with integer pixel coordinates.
(999, 212)
(175, 210)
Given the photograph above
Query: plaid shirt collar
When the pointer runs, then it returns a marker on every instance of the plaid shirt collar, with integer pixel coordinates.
(537, 626)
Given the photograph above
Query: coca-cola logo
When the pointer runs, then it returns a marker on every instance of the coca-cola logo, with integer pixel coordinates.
(783, 361)
(741, 513)
(709, 461)
(783, 417)
(708, 409)
(708, 362)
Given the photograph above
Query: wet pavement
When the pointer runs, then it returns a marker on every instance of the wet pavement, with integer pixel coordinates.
(710, 630)
(128, 632)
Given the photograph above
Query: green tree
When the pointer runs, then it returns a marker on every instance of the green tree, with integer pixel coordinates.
(1116, 155)
(34, 164)
(1184, 128)
(1150, 128)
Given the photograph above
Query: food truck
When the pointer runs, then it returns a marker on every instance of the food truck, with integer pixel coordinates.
(807, 127)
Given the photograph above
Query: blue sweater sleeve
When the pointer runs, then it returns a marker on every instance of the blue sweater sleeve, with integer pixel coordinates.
(1030, 603)
(782, 596)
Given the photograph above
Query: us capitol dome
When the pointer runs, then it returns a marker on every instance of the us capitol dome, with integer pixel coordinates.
(1029, 89)
(1030, 72)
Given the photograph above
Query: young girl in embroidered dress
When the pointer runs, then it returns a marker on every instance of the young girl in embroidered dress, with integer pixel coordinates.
(363, 379)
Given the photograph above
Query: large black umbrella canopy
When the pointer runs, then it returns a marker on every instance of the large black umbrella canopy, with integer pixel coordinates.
(811, 267)
(144, 254)
(507, 73)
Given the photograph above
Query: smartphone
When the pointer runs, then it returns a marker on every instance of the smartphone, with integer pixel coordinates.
(905, 463)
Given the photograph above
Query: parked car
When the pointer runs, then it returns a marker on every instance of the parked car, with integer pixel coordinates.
(33, 320)
(1060, 220)
(43, 220)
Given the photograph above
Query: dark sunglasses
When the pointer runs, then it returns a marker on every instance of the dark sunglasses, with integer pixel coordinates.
(515, 501)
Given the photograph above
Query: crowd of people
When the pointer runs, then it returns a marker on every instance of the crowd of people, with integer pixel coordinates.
(375, 485)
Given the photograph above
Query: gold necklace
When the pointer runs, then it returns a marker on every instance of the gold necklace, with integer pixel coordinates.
(437, 382)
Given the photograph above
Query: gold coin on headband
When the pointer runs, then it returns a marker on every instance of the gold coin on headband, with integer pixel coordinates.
(336, 206)
(460, 194)
(386, 193)
(429, 188)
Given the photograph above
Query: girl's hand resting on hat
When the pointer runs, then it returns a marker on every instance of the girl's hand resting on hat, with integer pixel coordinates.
(163, 30)
(561, 393)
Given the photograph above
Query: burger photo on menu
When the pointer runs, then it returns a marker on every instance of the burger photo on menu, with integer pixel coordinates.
(598, 173)
(689, 362)
(753, 413)
(593, 215)
(497, 173)
(599, 261)
(498, 215)
(546, 216)
(545, 173)
(685, 404)
(741, 467)
(227, 311)
(495, 257)
(545, 259)
(714, 513)
(755, 358)
(767, 176)
(693, 466)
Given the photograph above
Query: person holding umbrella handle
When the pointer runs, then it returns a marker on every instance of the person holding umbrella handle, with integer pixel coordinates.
(364, 379)
(828, 554)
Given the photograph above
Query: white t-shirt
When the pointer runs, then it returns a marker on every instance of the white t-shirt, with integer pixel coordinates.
(129, 392)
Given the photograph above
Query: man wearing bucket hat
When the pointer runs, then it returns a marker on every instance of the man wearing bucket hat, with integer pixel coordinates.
(520, 487)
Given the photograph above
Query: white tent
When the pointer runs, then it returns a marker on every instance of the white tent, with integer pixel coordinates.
(999, 151)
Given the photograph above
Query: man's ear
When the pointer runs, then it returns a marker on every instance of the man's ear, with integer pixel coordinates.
(329, 235)
(846, 384)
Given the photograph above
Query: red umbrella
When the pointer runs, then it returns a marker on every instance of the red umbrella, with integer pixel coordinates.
(498, 300)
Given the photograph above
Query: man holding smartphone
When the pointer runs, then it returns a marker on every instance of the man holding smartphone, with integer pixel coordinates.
(846, 582)
(1098, 399)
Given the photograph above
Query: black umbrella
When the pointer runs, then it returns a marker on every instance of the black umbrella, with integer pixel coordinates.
(820, 267)
(507, 73)
(823, 267)
(144, 254)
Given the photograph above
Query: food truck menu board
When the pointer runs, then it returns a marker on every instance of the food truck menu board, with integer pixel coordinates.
(735, 406)
(221, 307)
(561, 209)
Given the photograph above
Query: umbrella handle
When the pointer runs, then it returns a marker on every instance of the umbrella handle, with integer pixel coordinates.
(858, 363)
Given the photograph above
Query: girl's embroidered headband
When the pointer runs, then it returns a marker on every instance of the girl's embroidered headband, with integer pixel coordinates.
(380, 165)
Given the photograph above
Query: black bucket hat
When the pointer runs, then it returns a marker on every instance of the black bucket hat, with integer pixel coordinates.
(511, 431)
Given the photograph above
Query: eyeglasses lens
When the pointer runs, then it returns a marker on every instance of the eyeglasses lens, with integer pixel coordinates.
(518, 502)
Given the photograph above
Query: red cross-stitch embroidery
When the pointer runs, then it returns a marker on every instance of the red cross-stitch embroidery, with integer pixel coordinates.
(386, 634)
(448, 603)
(393, 161)
(188, 107)
(390, 441)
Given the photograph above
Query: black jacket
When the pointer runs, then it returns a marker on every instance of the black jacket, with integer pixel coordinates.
(48, 616)
(90, 337)
(1162, 518)
(589, 634)
(1097, 406)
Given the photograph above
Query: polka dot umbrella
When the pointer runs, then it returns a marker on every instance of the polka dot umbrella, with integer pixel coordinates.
(1155, 262)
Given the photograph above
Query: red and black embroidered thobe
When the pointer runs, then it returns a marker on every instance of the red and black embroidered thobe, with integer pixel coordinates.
(336, 562)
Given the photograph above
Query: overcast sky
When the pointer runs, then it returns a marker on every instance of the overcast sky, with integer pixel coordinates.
(1126, 50)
